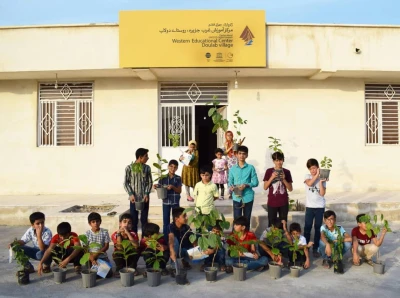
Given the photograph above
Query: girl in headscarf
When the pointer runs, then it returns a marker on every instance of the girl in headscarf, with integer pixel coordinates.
(230, 154)
(190, 172)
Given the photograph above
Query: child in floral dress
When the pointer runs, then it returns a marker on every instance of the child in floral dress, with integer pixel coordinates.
(220, 167)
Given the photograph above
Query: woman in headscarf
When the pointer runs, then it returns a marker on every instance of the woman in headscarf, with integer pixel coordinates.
(230, 154)
(190, 172)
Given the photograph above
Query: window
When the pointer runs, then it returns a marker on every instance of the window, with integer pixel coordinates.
(65, 114)
(382, 114)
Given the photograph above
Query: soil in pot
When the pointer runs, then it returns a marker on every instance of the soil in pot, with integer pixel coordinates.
(60, 275)
(153, 278)
(181, 277)
(127, 277)
(161, 193)
(275, 270)
(211, 273)
(23, 277)
(379, 267)
(324, 173)
(295, 271)
(89, 278)
(239, 272)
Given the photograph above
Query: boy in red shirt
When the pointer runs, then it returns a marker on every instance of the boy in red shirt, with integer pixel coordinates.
(242, 234)
(364, 246)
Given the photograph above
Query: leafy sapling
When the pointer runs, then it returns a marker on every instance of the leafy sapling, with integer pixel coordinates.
(275, 145)
(216, 117)
(126, 249)
(326, 163)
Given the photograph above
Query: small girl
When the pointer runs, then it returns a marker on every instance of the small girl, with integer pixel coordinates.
(230, 154)
(220, 166)
(190, 173)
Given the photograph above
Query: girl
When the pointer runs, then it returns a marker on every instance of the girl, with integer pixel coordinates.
(230, 154)
(220, 166)
(278, 180)
(190, 173)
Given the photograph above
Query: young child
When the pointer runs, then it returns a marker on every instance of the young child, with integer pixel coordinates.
(231, 155)
(265, 245)
(56, 251)
(244, 177)
(149, 230)
(331, 235)
(219, 253)
(364, 246)
(190, 173)
(40, 237)
(315, 203)
(125, 233)
(174, 189)
(178, 231)
(100, 236)
(220, 166)
(278, 181)
(205, 192)
(242, 234)
(293, 234)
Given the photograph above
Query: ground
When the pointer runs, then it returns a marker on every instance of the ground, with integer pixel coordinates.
(314, 282)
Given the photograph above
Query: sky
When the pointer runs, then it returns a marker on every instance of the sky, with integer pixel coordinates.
(47, 12)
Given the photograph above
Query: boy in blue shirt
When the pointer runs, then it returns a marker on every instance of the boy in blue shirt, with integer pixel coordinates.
(243, 177)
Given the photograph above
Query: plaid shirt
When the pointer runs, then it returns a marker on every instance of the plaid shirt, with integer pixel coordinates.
(101, 237)
(138, 184)
(30, 235)
(172, 197)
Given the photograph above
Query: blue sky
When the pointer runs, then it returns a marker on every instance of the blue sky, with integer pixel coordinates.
(34, 12)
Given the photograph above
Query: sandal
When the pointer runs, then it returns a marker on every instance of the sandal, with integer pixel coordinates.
(369, 262)
(316, 254)
(78, 269)
(223, 268)
(327, 264)
(229, 269)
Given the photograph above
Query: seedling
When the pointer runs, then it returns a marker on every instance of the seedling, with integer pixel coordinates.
(161, 173)
(175, 139)
(237, 124)
(275, 144)
(125, 250)
(86, 247)
(326, 163)
(157, 256)
(217, 117)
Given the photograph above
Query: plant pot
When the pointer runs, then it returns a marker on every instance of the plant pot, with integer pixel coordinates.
(239, 272)
(60, 275)
(23, 277)
(235, 147)
(181, 278)
(324, 173)
(211, 273)
(338, 267)
(275, 270)
(153, 278)
(295, 271)
(379, 267)
(139, 205)
(161, 193)
(89, 278)
(127, 277)
(238, 192)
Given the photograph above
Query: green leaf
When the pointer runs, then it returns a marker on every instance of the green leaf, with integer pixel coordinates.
(83, 239)
(157, 166)
(212, 240)
(190, 219)
(211, 111)
(156, 265)
(188, 210)
(84, 259)
(215, 128)
(381, 217)
(203, 243)
(192, 238)
(275, 251)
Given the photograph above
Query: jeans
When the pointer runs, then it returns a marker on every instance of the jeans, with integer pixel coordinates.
(219, 258)
(321, 249)
(184, 254)
(135, 216)
(246, 211)
(167, 210)
(36, 254)
(252, 264)
(273, 213)
(313, 215)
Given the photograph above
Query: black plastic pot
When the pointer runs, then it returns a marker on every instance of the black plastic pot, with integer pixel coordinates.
(338, 267)
(23, 277)
(211, 273)
(181, 277)
(235, 147)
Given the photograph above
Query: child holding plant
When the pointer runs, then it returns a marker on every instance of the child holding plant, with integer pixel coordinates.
(215, 255)
(293, 235)
(231, 157)
(265, 245)
(220, 167)
(190, 172)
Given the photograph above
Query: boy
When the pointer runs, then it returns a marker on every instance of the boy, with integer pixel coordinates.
(265, 245)
(242, 234)
(56, 251)
(362, 246)
(178, 231)
(205, 192)
(315, 203)
(174, 189)
(40, 237)
(293, 234)
(125, 233)
(331, 235)
(100, 236)
(138, 186)
(244, 177)
(220, 253)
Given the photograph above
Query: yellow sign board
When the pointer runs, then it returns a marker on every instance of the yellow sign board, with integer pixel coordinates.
(192, 38)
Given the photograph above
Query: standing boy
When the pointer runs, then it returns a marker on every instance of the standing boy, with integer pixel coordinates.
(205, 192)
(244, 177)
(40, 237)
(174, 189)
(138, 186)
(363, 245)
(315, 203)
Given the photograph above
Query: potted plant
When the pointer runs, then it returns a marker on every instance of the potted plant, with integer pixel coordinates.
(326, 164)
(236, 249)
(275, 238)
(376, 228)
(22, 274)
(154, 274)
(175, 139)
(161, 190)
(237, 124)
(337, 250)
(60, 274)
(216, 116)
(136, 169)
(88, 275)
(125, 250)
(294, 248)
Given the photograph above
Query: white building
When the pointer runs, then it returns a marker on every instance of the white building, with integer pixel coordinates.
(71, 119)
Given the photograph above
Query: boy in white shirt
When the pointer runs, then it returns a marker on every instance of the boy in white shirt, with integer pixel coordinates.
(293, 234)
(315, 204)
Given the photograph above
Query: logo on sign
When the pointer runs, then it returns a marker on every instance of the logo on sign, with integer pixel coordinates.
(247, 36)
